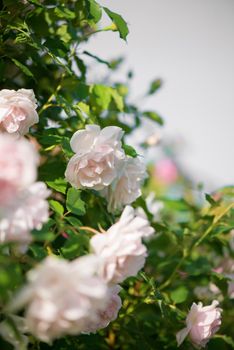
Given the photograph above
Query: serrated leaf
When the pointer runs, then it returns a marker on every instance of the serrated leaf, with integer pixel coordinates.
(74, 203)
(58, 185)
(120, 23)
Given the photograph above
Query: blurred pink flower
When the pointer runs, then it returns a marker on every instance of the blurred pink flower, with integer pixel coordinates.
(202, 323)
(17, 110)
(98, 155)
(29, 211)
(166, 171)
(120, 248)
(110, 313)
(18, 164)
(62, 297)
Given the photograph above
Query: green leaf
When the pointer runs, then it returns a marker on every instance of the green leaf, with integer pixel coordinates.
(64, 12)
(75, 246)
(120, 23)
(118, 99)
(74, 203)
(154, 86)
(58, 185)
(23, 68)
(130, 151)
(45, 234)
(101, 96)
(73, 221)
(63, 33)
(179, 295)
(56, 207)
(95, 10)
(153, 116)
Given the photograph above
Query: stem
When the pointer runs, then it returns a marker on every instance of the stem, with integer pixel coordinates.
(174, 272)
(89, 229)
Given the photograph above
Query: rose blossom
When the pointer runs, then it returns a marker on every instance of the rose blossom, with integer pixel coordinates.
(110, 313)
(29, 211)
(17, 110)
(166, 171)
(127, 187)
(121, 248)
(98, 155)
(18, 167)
(62, 297)
(202, 323)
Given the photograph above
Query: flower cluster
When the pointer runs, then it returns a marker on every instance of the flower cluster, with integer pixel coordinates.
(81, 296)
(100, 163)
(23, 204)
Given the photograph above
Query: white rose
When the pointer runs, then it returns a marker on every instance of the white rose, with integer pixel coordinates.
(121, 248)
(127, 187)
(17, 110)
(29, 211)
(202, 323)
(18, 164)
(62, 297)
(97, 159)
(110, 313)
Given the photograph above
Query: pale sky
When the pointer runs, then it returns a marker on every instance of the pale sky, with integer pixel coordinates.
(190, 45)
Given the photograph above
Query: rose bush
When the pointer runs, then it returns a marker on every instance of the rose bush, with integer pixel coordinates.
(79, 267)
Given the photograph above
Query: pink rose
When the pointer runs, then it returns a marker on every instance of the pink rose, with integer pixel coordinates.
(166, 171)
(18, 164)
(126, 188)
(120, 248)
(202, 323)
(17, 110)
(29, 211)
(97, 158)
(62, 297)
(110, 313)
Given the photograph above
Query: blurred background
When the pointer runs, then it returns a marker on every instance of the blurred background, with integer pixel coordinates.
(189, 45)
